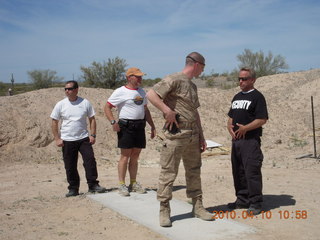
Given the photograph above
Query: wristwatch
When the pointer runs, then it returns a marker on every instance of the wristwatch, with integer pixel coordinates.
(93, 135)
(113, 122)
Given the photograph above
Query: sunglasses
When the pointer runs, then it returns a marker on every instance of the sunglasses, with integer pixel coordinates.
(135, 76)
(244, 78)
(69, 88)
(196, 61)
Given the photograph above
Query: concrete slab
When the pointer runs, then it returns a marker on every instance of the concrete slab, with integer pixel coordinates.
(144, 209)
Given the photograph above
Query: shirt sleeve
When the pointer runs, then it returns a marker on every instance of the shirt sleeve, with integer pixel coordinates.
(261, 108)
(55, 114)
(90, 110)
(163, 87)
(145, 99)
(116, 98)
(230, 109)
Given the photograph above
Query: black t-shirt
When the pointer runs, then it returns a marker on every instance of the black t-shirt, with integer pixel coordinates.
(246, 107)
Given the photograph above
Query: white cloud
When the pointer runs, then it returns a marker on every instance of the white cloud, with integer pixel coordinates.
(154, 35)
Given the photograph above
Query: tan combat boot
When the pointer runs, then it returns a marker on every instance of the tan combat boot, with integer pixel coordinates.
(199, 211)
(164, 216)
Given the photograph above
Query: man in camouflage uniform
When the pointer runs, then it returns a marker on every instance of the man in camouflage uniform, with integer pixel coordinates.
(176, 96)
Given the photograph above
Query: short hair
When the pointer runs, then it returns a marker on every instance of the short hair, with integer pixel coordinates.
(75, 83)
(251, 71)
(194, 57)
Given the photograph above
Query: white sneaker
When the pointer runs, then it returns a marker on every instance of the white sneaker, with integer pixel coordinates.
(123, 190)
(136, 187)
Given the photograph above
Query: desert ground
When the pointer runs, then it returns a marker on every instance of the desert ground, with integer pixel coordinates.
(33, 182)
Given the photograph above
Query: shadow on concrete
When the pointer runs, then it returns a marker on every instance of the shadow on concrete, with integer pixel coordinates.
(178, 187)
(181, 216)
(269, 202)
(174, 188)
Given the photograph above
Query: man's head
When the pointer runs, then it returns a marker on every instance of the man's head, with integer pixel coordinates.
(247, 78)
(195, 57)
(196, 63)
(134, 77)
(71, 90)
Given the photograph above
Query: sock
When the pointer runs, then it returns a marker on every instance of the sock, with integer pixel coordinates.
(132, 181)
(122, 183)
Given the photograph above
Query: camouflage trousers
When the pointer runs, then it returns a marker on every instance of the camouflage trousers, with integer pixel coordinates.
(187, 149)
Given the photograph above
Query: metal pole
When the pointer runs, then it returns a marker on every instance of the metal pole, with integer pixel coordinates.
(314, 130)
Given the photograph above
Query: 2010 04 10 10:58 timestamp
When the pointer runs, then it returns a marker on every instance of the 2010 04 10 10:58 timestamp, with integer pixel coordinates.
(282, 215)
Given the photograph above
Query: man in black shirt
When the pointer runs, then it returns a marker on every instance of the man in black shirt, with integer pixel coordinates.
(247, 114)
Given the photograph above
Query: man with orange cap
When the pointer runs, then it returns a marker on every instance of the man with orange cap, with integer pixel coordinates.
(133, 112)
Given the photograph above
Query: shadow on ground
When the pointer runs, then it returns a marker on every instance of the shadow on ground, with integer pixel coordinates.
(269, 202)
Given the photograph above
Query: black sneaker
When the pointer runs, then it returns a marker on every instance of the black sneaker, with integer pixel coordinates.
(237, 205)
(72, 193)
(254, 210)
(97, 188)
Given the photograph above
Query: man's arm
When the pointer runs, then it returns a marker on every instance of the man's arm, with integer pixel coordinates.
(243, 129)
(93, 129)
(169, 114)
(230, 128)
(150, 121)
(203, 144)
(55, 131)
(110, 117)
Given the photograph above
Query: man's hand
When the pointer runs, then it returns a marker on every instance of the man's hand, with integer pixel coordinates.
(170, 117)
(230, 127)
(59, 142)
(241, 132)
(153, 133)
(116, 127)
(243, 129)
(203, 145)
(92, 140)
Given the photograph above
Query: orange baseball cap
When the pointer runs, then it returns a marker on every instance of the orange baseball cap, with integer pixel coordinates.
(134, 71)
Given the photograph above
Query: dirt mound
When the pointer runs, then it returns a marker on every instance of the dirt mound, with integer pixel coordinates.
(25, 125)
(33, 180)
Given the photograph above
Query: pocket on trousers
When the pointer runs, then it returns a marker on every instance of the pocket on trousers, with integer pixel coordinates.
(166, 155)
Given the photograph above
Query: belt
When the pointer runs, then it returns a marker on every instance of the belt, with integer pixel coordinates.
(131, 120)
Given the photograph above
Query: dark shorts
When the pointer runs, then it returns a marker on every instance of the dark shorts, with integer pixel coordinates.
(132, 134)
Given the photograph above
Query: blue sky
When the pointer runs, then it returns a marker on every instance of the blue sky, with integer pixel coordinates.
(62, 35)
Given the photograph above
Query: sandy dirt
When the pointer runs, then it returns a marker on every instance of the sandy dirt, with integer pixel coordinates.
(33, 182)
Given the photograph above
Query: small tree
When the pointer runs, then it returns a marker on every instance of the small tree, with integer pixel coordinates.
(263, 65)
(43, 78)
(149, 82)
(106, 75)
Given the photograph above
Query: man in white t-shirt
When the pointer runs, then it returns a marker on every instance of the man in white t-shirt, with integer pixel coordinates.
(73, 112)
(133, 112)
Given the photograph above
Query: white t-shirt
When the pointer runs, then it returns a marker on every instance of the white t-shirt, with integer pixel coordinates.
(74, 118)
(130, 102)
